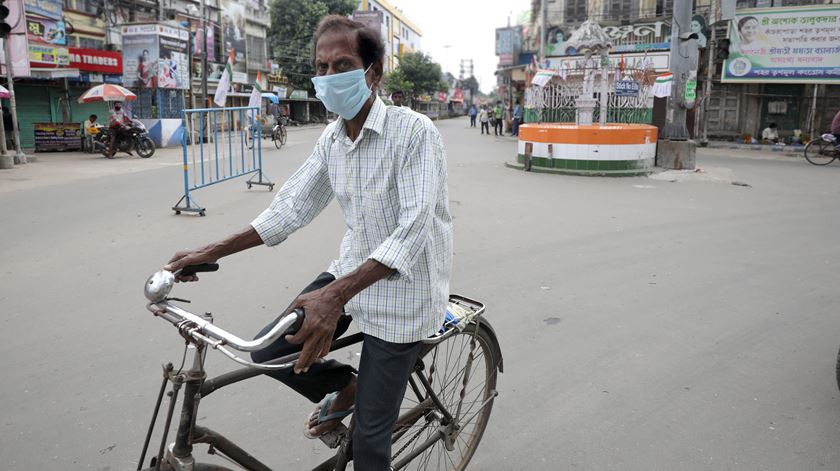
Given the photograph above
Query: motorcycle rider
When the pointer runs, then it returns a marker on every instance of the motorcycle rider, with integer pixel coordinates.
(119, 122)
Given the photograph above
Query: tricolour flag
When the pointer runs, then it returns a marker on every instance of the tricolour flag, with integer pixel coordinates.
(256, 97)
(224, 82)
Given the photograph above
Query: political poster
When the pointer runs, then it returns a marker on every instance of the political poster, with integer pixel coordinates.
(45, 31)
(784, 45)
(233, 38)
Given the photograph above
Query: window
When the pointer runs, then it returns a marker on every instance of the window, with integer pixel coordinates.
(256, 52)
(90, 43)
(575, 11)
(86, 6)
(664, 7)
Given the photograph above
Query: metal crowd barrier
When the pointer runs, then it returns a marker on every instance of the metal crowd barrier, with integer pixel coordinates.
(220, 144)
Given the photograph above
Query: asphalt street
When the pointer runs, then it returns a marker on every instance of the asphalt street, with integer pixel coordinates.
(670, 323)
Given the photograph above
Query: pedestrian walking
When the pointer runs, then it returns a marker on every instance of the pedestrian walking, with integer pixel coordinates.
(517, 118)
(484, 117)
(473, 113)
(498, 114)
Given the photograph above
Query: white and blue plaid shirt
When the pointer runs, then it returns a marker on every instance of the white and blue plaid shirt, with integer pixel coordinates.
(391, 184)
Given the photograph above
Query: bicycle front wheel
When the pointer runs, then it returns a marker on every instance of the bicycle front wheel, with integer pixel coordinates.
(820, 152)
(461, 371)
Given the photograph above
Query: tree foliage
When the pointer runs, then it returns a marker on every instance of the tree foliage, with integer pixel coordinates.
(470, 84)
(293, 23)
(417, 74)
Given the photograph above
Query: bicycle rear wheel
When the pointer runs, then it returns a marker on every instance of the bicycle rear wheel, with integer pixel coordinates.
(444, 365)
(820, 152)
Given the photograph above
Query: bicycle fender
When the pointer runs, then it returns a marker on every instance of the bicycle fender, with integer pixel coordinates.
(485, 324)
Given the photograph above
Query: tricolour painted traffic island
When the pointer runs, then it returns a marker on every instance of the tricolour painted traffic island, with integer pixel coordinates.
(594, 150)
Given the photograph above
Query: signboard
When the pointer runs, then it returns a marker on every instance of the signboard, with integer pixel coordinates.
(280, 91)
(46, 8)
(690, 90)
(508, 44)
(173, 66)
(660, 61)
(58, 136)
(95, 60)
(48, 56)
(204, 38)
(233, 35)
(45, 31)
(155, 56)
(627, 88)
(784, 45)
(640, 36)
(371, 19)
(140, 55)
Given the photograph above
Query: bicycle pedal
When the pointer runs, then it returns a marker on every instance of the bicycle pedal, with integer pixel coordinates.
(334, 437)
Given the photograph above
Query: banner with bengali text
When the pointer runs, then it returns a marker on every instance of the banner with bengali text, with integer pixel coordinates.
(784, 45)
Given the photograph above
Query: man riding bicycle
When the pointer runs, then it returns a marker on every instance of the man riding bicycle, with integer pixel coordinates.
(386, 166)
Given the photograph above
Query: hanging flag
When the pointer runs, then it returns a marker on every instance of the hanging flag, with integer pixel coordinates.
(542, 78)
(256, 97)
(662, 85)
(224, 82)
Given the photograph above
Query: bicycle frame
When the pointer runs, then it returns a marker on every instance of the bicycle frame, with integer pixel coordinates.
(196, 386)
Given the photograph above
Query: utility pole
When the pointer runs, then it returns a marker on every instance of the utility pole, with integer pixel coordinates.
(20, 157)
(542, 30)
(675, 150)
(204, 26)
(711, 47)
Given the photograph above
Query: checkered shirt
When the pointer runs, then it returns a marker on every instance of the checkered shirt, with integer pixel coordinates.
(391, 184)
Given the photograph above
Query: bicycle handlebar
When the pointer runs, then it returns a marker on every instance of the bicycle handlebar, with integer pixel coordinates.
(160, 284)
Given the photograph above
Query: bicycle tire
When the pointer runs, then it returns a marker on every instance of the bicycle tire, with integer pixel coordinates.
(820, 152)
(275, 136)
(448, 385)
(837, 370)
(282, 135)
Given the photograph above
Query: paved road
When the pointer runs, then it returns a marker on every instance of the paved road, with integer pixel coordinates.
(646, 324)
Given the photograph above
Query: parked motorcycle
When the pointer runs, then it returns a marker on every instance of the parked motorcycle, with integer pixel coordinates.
(135, 138)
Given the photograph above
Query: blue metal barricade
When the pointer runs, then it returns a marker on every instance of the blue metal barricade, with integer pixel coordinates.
(220, 144)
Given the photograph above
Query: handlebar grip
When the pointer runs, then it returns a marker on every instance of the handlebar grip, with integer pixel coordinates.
(203, 267)
(298, 323)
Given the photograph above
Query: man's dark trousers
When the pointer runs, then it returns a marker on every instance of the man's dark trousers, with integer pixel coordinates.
(497, 129)
(384, 368)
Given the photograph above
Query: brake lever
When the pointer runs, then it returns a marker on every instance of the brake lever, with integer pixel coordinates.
(178, 299)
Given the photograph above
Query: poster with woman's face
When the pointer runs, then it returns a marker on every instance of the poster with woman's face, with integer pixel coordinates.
(698, 27)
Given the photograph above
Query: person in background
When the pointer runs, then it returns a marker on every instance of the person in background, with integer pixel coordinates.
(473, 113)
(484, 117)
(517, 118)
(8, 127)
(397, 97)
(118, 123)
(88, 140)
(770, 134)
(498, 114)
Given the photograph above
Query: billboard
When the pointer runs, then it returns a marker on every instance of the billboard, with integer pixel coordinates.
(46, 8)
(233, 34)
(140, 56)
(155, 56)
(784, 45)
(95, 60)
(45, 31)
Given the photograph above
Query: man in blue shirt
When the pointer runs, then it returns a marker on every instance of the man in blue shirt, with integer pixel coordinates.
(517, 118)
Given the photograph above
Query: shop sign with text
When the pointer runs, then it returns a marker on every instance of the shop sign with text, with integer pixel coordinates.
(94, 60)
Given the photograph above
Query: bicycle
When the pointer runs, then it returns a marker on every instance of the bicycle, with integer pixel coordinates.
(278, 134)
(443, 416)
(822, 150)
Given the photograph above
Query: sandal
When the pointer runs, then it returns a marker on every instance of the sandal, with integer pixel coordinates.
(324, 416)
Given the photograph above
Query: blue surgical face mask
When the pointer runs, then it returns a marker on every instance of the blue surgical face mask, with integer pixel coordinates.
(344, 93)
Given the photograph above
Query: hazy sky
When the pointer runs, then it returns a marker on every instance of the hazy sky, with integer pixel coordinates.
(469, 26)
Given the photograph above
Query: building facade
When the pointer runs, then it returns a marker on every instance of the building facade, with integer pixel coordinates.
(399, 34)
(733, 110)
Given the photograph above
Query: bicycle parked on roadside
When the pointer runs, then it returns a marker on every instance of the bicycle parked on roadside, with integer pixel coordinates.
(822, 150)
(443, 416)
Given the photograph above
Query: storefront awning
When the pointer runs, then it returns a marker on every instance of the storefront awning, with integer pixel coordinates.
(45, 73)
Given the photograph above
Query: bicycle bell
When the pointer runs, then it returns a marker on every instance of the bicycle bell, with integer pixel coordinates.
(158, 286)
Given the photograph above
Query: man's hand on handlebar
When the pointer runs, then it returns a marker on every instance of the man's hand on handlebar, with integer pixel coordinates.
(185, 258)
(323, 309)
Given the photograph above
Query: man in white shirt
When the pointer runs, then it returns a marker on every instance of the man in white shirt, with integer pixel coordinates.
(386, 167)
(770, 134)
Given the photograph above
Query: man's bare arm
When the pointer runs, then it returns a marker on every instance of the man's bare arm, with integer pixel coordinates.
(210, 253)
